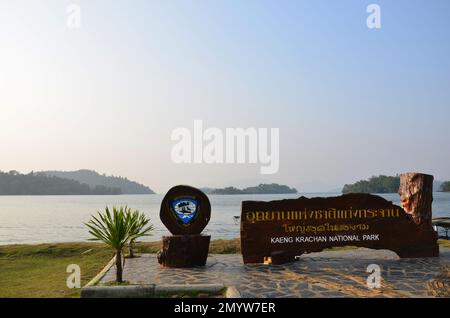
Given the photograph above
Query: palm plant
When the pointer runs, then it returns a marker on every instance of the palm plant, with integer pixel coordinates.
(118, 228)
(140, 225)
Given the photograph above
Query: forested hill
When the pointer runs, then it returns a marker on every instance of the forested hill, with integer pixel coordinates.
(445, 186)
(380, 184)
(260, 189)
(92, 178)
(15, 183)
(384, 184)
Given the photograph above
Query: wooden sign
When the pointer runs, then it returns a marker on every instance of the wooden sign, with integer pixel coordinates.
(278, 231)
(185, 211)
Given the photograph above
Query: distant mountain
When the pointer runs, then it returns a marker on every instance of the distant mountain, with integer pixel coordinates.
(15, 183)
(260, 189)
(93, 179)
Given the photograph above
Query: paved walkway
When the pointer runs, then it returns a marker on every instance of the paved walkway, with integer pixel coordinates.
(325, 274)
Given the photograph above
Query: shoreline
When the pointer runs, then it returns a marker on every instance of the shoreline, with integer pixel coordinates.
(142, 247)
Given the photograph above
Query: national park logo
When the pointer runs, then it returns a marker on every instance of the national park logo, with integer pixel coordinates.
(185, 209)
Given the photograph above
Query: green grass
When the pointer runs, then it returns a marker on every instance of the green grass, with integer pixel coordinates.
(40, 270)
(225, 246)
(444, 243)
(216, 247)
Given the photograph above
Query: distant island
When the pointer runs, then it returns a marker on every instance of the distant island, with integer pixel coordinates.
(260, 189)
(386, 184)
(44, 183)
(93, 179)
(445, 186)
(379, 184)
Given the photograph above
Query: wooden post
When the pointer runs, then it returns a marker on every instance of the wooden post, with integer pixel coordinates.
(180, 251)
(416, 194)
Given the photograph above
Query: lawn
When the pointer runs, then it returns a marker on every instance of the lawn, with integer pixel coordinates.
(40, 270)
(444, 243)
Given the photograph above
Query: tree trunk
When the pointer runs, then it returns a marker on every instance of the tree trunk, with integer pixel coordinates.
(416, 193)
(130, 248)
(119, 266)
(180, 251)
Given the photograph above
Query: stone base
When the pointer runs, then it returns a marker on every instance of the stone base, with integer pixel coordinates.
(180, 251)
(280, 257)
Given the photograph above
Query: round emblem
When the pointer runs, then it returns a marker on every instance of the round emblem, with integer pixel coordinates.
(185, 209)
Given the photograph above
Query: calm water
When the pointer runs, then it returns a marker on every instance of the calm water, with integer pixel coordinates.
(41, 219)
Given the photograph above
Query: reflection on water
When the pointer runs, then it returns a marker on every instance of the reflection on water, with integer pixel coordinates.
(39, 219)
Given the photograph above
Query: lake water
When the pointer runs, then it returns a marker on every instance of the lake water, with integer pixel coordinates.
(49, 219)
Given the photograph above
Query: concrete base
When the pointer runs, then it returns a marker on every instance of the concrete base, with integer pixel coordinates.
(147, 291)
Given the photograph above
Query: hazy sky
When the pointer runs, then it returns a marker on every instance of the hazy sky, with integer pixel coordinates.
(350, 101)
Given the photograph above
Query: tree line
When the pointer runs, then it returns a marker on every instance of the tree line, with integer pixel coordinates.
(445, 186)
(259, 189)
(375, 184)
(385, 184)
(93, 178)
(15, 183)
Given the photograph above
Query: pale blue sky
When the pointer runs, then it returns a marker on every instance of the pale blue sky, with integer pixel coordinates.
(350, 102)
